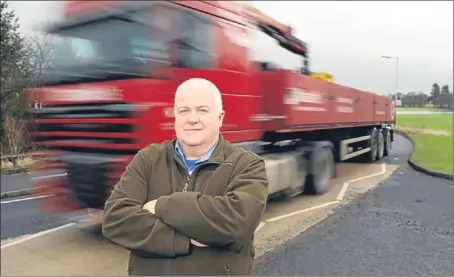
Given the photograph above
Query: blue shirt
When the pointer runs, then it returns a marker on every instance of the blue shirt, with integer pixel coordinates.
(192, 164)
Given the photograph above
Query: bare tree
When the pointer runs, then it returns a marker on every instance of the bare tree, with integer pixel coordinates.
(40, 51)
(15, 134)
(14, 72)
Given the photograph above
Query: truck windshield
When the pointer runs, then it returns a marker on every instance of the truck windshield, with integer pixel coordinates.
(109, 49)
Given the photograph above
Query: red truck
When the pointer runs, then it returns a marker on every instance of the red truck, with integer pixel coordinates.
(110, 89)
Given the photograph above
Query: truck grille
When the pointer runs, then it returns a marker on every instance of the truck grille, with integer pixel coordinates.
(90, 110)
(84, 127)
(93, 127)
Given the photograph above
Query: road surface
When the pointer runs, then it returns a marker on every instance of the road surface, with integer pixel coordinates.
(402, 227)
(71, 251)
(23, 181)
(22, 216)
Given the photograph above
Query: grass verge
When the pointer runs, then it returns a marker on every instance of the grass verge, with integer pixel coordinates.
(423, 109)
(23, 165)
(433, 137)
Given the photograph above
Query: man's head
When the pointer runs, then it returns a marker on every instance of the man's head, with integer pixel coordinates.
(198, 113)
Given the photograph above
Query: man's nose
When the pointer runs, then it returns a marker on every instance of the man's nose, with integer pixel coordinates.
(193, 117)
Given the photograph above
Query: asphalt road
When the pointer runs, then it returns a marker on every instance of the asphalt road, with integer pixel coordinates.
(402, 227)
(15, 182)
(22, 181)
(25, 217)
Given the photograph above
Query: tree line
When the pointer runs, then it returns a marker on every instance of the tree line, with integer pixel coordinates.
(437, 97)
(22, 64)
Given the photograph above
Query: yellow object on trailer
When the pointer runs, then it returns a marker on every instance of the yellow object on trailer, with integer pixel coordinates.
(323, 76)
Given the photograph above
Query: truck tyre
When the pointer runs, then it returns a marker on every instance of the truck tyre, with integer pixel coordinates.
(321, 170)
(371, 156)
(380, 145)
(388, 142)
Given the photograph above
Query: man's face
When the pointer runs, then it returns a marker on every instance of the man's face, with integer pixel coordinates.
(197, 120)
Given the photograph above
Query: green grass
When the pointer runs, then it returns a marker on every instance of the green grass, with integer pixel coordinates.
(437, 122)
(404, 109)
(433, 137)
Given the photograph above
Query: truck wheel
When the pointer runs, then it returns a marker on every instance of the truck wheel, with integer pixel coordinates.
(388, 142)
(380, 145)
(371, 156)
(321, 170)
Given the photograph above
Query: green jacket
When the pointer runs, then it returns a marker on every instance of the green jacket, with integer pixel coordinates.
(222, 206)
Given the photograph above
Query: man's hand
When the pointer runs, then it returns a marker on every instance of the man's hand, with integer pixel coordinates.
(150, 206)
(198, 244)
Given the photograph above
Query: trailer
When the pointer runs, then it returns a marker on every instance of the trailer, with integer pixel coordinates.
(117, 65)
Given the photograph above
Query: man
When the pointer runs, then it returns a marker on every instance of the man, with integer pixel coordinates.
(189, 206)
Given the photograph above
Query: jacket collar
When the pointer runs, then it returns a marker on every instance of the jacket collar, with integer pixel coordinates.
(217, 155)
(204, 158)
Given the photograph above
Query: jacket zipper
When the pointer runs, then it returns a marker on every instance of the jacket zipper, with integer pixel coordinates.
(227, 269)
(186, 185)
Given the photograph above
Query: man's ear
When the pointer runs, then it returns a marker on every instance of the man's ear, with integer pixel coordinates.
(221, 117)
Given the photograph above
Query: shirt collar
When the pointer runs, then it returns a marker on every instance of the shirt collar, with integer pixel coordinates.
(201, 159)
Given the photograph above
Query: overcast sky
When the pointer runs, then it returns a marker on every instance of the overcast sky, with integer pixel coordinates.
(347, 39)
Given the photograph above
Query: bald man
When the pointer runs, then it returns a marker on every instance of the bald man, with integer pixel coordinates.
(189, 206)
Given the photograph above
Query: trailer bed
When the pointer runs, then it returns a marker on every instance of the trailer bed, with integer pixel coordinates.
(307, 103)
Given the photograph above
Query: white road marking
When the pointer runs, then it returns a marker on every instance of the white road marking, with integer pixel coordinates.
(24, 199)
(341, 194)
(49, 176)
(30, 237)
(339, 197)
(260, 226)
(383, 171)
(344, 188)
(365, 177)
(301, 211)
